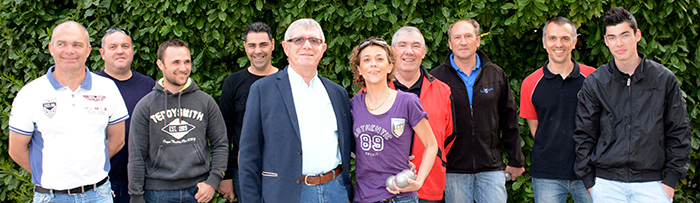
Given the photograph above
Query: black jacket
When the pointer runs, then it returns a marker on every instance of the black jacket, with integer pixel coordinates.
(632, 128)
(477, 134)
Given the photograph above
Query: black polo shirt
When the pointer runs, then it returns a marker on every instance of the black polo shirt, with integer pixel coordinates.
(552, 100)
(415, 89)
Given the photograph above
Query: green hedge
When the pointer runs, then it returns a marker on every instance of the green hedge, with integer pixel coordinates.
(213, 29)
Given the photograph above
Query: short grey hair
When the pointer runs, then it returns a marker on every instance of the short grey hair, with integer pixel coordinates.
(66, 23)
(112, 31)
(560, 21)
(307, 23)
(405, 30)
(472, 21)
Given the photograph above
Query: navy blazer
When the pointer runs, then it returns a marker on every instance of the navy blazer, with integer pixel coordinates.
(271, 144)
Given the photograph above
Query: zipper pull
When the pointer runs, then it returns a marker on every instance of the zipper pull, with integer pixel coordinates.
(628, 81)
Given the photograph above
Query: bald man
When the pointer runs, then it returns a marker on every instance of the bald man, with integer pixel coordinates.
(65, 125)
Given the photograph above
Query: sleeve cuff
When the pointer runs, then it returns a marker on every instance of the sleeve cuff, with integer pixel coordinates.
(137, 199)
(214, 180)
(588, 180)
(671, 179)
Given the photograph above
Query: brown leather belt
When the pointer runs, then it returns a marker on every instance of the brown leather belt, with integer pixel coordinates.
(76, 190)
(322, 178)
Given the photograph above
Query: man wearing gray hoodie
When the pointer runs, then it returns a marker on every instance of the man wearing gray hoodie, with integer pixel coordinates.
(178, 144)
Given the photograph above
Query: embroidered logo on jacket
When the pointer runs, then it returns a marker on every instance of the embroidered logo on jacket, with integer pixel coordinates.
(486, 90)
(177, 128)
(95, 98)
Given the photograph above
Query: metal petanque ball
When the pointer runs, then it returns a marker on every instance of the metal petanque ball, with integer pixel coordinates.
(389, 182)
(402, 178)
(410, 173)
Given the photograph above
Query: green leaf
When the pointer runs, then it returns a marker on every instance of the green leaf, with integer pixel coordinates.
(541, 6)
(215, 34)
(508, 6)
(417, 21)
(517, 184)
(89, 12)
(259, 5)
(523, 3)
(697, 56)
(222, 16)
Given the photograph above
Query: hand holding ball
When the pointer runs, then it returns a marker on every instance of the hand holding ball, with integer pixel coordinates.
(401, 179)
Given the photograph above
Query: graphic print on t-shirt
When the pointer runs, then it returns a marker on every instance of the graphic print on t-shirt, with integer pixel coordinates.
(397, 126)
(372, 137)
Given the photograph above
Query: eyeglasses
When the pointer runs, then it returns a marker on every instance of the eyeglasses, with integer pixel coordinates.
(299, 41)
(112, 30)
(375, 40)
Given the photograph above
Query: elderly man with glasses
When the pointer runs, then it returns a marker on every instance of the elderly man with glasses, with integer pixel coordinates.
(296, 132)
(117, 52)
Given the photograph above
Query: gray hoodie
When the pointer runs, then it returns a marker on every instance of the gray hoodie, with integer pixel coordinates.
(176, 141)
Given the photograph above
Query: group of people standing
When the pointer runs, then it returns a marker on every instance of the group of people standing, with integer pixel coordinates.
(616, 134)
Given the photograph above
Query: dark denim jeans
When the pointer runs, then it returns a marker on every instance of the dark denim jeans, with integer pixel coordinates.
(171, 196)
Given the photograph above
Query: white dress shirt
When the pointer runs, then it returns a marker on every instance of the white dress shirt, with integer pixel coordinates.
(317, 125)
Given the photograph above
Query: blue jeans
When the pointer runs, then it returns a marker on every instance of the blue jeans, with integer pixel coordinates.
(332, 191)
(555, 191)
(121, 193)
(399, 200)
(428, 201)
(102, 194)
(236, 185)
(171, 196)
(488, 186)
(613, 191)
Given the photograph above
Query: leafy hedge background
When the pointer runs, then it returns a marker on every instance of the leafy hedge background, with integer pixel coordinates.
(213, 28)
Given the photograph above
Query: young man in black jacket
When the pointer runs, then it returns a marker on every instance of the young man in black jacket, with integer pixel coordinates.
(632, 130)
(484, 108)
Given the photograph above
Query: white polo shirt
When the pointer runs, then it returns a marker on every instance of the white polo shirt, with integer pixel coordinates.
(68, 128)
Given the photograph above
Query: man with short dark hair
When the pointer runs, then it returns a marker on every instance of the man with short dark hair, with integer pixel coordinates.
(117, 52)
(65, 125)
(411, 76)
(177, 147)
(632, 130)
(258, 45)
(484, 109)
(297, 130)
(548, 103)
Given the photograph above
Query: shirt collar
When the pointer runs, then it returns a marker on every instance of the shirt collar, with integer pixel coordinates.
(575, 72)
(476, 67)
(295, 80)
(187, 84)
(87, 81)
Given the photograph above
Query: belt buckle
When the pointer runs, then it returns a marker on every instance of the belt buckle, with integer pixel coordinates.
(82, 190)
(306, 180)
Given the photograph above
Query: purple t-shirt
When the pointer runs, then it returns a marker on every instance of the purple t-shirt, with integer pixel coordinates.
(382, 144)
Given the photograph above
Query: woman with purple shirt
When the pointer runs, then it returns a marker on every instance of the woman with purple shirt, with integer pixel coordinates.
(384, 121)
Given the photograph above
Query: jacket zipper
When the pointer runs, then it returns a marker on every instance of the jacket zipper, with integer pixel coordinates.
(629, 123)
(471, 111)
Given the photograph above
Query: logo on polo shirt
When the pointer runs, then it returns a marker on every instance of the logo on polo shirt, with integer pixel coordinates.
(486, 90)
(397, 126)
(49, 108)
(177, 128)
(95, 98)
